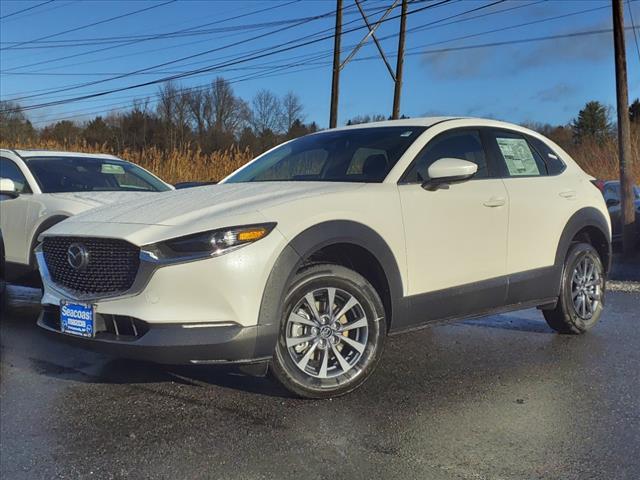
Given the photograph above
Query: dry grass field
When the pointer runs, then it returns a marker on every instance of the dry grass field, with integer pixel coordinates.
(598, 159)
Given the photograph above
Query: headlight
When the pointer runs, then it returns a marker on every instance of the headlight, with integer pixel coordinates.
(205, 244)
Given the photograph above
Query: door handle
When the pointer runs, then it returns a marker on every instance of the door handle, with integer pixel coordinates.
(495, 202)
(568, 194)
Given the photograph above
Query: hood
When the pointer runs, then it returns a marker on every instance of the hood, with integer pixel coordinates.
(98, 199)
(180, 207)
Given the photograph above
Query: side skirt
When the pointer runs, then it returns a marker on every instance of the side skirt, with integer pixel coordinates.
(542, 302)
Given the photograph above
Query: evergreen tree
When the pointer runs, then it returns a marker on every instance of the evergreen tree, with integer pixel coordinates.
(592, 122)
(634, 111)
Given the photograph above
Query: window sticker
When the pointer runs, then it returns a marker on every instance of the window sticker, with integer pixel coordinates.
(518, 157)
(111, 169)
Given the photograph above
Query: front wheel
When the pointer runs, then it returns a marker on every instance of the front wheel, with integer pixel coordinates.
(332, 333)
(581, 298)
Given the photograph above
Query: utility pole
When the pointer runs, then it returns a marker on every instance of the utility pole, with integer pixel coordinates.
(624, 135)
(400, 62)
(335, 82)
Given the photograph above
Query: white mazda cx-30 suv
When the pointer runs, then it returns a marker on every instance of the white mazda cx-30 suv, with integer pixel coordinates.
(310, 255)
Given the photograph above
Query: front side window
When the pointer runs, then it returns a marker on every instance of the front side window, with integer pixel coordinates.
(461, 144)
(351, 155)
(8, 169)
(79, 174)
(518, 157)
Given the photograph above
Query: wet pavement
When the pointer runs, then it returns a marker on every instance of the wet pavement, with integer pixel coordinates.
(500, 397)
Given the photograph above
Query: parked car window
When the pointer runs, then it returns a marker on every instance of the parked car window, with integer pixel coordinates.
(517, 155)
(612, 191)
(350, 155)
(553, 162)
(79, 174)
(8, 169)
(462, 144)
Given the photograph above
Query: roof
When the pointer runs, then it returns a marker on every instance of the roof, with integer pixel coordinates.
(58, 153)
(430, 121)
(406, 122)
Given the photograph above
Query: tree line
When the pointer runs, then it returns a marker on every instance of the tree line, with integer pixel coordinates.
(216, 119)
(210, 119)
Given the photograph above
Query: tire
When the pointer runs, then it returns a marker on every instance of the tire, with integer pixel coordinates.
(333, 360)
(576, 317)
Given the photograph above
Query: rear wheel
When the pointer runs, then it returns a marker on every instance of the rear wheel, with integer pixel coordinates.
(332, 333)
(581, 298)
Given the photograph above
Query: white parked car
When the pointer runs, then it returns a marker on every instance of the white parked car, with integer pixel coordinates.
(41, 188)
(309, 256)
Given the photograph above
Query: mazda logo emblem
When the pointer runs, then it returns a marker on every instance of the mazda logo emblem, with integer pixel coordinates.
(78, 256)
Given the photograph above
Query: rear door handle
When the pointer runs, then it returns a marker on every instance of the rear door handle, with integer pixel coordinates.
(495, 202)
(568, 194)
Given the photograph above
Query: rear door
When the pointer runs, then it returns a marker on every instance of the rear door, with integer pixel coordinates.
(541, 199)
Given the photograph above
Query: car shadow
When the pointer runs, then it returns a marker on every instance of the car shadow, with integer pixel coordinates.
(510, 322)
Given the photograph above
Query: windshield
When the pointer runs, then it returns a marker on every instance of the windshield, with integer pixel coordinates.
(353, 155)
(79, 174)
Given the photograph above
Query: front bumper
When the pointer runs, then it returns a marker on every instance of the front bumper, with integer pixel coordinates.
(175, 344)
(206, 311)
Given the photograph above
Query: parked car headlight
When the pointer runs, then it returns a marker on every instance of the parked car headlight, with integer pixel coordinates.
(207, 244)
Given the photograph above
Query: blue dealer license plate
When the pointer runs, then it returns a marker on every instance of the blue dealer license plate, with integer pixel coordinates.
(77, 319)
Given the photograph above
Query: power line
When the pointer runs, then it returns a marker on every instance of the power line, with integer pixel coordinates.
(75, 86)
(190, 31)
(55, 6)
(277, 50)
(478, 46)
(25, 10)
(457, 49)
(434, 24)
(431, 25)
(93, 24)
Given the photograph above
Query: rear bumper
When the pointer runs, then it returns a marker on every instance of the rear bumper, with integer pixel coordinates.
(176, 344)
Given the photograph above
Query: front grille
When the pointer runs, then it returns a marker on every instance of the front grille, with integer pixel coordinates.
(111, 268)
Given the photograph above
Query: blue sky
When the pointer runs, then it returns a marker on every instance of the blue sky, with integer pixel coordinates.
(541, 81)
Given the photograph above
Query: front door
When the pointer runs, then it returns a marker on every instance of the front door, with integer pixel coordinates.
(456, 236)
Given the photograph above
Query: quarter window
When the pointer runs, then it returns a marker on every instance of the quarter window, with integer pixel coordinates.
(518, 157)
(462, 144)
(8, 169)
(555, 166)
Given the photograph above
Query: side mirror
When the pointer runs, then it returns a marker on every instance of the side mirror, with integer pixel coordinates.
(8, 188)
(449, 170)
(612, 202)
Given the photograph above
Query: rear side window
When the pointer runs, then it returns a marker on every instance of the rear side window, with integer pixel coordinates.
(462, 144)
(8, 169)
(555, 166)
(518, 157)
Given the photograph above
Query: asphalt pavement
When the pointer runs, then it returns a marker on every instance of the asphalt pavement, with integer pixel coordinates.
(499, 397)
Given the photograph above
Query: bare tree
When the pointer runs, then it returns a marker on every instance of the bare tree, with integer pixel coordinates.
(266, 112)
(292, 110)
(229, 113)
(199, 111)
(173, 110)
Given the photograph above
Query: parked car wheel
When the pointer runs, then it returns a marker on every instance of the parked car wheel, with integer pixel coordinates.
(582, 292)
(332, 333)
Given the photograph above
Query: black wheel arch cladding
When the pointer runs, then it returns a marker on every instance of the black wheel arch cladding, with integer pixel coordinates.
(585, 218)
(314, 239)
